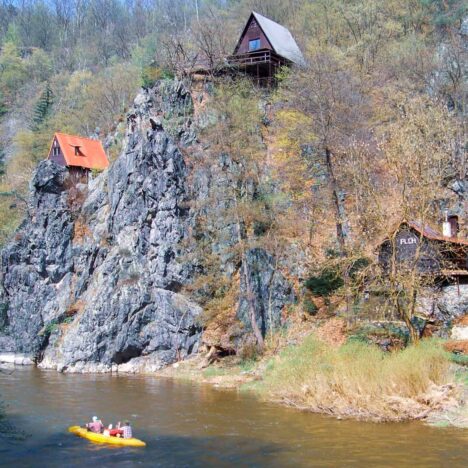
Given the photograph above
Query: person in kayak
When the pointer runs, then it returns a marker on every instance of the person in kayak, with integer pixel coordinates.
(117, 432)
(95, 426)
(107, 432)
(127, 430)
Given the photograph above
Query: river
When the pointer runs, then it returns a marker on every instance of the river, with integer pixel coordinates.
(187, 424)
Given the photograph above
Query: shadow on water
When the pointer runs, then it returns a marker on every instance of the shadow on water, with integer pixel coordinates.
(164, 451)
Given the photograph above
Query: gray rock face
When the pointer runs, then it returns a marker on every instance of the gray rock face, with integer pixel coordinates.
(444, 304)
(270, 288)
(464, 27)
(452, 302)
(93, 279)
(94, 287)
(39, 261)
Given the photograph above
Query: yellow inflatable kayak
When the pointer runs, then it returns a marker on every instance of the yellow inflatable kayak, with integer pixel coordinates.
(104, 439)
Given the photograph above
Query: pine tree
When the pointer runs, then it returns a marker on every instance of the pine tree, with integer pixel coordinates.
(2, 161)
(43, 107)
(3, 107)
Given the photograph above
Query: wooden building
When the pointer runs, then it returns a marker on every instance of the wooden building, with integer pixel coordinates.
(80, 155)
(433, 254)
(263, 47)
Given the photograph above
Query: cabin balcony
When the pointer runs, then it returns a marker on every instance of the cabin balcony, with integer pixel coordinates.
(262, 65)
(262, 56)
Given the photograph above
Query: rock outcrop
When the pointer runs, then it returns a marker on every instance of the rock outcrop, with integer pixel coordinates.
(91, 280)
(270, 289)
(94, 277)
(37, 267)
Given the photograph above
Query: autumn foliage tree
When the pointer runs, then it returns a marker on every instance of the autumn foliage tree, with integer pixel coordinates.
(404, 178)
(334, 111)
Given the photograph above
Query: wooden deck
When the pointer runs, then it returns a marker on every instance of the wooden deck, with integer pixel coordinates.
(264, 56)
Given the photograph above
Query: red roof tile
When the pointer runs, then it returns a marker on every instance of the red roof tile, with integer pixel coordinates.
(90, 153)
(430, 233)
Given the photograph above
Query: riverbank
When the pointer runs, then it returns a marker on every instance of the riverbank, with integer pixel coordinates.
(352, 380)
(318, 369)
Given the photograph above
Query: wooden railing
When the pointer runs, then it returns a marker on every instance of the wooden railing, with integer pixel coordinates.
(257, 57)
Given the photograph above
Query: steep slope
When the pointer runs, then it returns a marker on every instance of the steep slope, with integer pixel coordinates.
(93, 279)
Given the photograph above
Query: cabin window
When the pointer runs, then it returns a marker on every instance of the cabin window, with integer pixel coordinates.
(254, 44)
(56, 151)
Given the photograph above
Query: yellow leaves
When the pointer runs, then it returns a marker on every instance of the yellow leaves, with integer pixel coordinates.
(13, 70)
(292, 118)
(419, 153)
(292, 130)
(96, 101)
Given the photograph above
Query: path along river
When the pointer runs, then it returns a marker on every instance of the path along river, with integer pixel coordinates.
(195, 425)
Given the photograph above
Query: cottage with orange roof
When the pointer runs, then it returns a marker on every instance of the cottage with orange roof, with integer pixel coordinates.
(79, 154)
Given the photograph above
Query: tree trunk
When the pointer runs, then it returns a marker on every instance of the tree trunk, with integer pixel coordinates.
(250, 296)
(405, 314)
(414, 334)
(336, 200)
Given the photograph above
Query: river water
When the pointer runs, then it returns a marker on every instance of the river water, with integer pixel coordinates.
(195, 425)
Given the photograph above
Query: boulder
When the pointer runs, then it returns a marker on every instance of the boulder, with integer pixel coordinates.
(452, 302)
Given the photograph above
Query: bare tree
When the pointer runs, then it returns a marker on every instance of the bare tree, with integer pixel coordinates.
(334, 100)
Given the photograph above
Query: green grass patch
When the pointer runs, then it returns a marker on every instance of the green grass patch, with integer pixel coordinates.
(459, 359)
(214, 372)
(247, 365)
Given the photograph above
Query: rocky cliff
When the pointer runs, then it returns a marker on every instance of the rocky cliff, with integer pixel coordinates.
(93, 279)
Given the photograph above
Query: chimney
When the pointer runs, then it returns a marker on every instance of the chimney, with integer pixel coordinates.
(450, 225)
(454, 226)
(446, 226)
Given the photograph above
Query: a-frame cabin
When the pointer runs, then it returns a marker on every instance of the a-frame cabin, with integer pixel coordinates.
(263, 47)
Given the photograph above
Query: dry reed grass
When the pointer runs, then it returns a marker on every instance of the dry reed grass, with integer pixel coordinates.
(358, 380)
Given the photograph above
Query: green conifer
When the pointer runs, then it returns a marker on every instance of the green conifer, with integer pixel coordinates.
(2, 161)
(43, 107)
(3, 107)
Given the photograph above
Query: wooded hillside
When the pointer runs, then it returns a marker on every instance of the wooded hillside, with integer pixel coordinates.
(370, 131)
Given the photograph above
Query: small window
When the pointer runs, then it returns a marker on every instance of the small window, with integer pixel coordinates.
(56, 151)
(254, 44)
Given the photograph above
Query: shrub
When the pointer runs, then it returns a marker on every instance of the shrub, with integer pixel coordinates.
(151, 74)
(357, 266)
(75, 308)
(48, 329)
(325, 284)
(309, 306)
(248, 351)
(81, 231)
